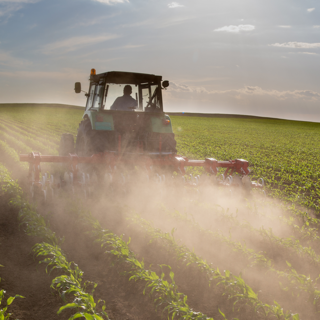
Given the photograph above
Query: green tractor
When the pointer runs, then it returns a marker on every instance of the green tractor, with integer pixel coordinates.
(123, 114)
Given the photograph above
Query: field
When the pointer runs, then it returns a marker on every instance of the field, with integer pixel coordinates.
(150, 254)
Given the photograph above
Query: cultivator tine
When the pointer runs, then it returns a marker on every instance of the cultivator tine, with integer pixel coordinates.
(229, 180)
(261, 182)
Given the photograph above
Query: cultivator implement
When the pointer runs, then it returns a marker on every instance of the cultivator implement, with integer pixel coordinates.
(157, 168)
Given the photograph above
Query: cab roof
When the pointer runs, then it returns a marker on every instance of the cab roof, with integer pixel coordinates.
(121, 77)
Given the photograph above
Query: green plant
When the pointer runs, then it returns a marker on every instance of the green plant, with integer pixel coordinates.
(4, 315)
(70, 283)
(235, 286)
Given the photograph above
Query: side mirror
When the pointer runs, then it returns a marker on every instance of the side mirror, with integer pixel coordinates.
(77, 87)
(165, 84)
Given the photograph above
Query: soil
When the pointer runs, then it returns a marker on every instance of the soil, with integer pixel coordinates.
(22, 274)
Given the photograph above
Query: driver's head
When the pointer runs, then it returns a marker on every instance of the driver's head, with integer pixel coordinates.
(127, 90)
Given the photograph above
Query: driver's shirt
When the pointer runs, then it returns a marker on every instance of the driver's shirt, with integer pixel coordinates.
(124, 103)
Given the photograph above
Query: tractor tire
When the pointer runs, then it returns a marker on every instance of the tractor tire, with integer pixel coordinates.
(169, 144)
(66, 145)
(90, 141)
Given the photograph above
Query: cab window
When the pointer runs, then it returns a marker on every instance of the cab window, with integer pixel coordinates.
(91, 96)
(98, 95)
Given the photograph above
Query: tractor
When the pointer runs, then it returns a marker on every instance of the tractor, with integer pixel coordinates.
(129, 126)
(124, 126)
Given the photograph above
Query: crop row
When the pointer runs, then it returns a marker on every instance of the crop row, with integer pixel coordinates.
(35, 133)
(284, 153)
(302, 225)
(4, 314)
(290, 244)
(296, 283)
(234, 286)
(35, 145)
(166, 292)
(44, 120)
(13, 141)
(267, 234)
(254, 257)
(18, 145)
(71, 281)
(54, 120)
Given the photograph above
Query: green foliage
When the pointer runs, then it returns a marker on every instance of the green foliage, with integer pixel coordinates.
(166, 293)
(285, 153)
(43, 119)
(234, 286)
(70, 283)
(4, 315)
(304, 283)
(299, 283)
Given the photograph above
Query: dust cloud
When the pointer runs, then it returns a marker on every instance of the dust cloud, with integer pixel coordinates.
(226, 226)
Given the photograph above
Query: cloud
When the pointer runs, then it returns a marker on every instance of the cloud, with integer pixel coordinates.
(75, 43)
(110, 2)
(317, 26)
(305, 52)
(8, 60)
(297, 45)
(236, 29)
(133, 46)
(175, 5)
(285, 27)
(189, 91)
(19, 1)
(173, 22)
(8, 7)
(96, 20)
(311, 9)
(57, 75)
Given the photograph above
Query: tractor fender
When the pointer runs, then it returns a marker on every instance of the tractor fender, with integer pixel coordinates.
(161, 124)
(100, 121)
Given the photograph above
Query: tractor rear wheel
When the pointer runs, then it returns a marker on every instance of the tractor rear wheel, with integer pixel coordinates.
(89, 141)
(169, 143)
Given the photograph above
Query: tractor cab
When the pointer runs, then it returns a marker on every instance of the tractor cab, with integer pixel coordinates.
(125, 109)
(106, 88)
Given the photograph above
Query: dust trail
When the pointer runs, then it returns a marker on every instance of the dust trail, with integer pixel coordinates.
(218, 210)
(228, 212)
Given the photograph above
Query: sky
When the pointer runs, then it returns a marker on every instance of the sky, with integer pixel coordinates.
(251, 57)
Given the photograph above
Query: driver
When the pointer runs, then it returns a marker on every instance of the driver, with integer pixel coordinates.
(126, 102)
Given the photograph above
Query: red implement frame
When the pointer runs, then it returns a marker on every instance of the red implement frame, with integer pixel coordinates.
(113, 159)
